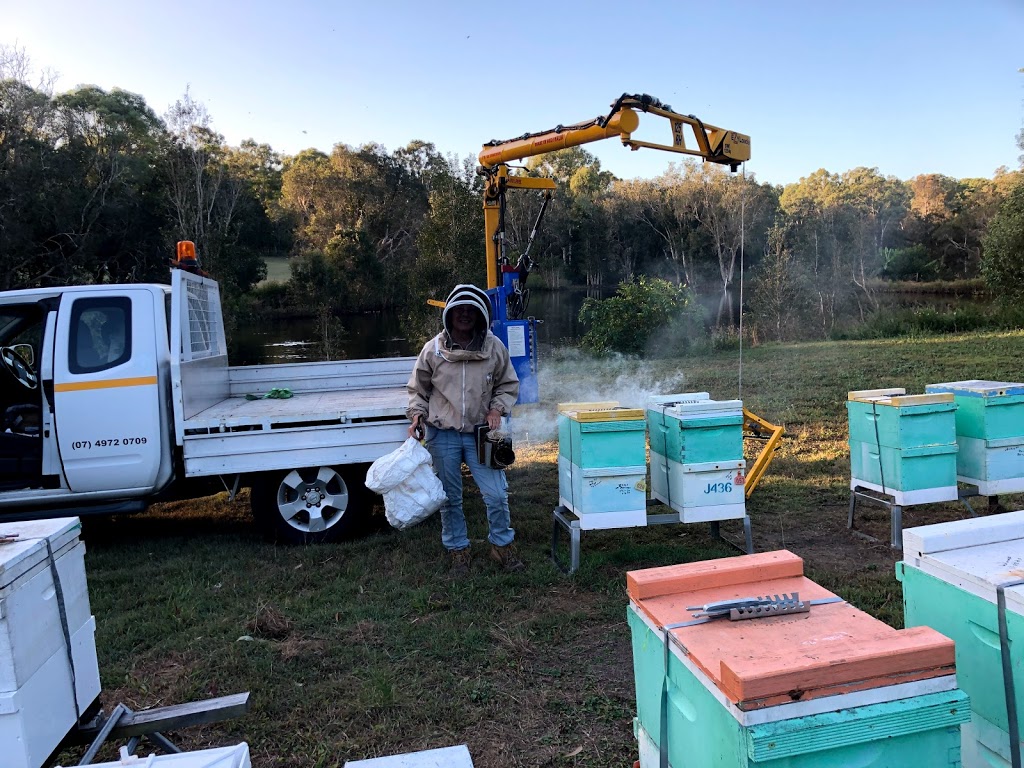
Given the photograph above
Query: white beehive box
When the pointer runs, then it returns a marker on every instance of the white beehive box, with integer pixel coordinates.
(37, 699)
(222, 757)
(449, 757)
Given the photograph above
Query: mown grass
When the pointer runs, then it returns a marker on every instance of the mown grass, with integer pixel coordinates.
(365, 648)
(279, 269)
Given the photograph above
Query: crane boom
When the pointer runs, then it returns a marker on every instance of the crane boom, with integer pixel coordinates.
(506, 281)
(713, 144)
(624, 122)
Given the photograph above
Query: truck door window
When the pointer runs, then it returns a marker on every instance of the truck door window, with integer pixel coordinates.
(100, 334)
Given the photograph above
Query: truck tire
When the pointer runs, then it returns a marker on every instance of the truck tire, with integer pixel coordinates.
(310, 505)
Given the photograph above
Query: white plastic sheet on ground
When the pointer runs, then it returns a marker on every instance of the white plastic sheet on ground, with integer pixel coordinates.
(406, 479)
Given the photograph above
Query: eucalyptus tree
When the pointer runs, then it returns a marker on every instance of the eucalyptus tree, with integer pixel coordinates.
(948, 219)
(206, 200)
(30, 234)
(735, 213)
(779, 294)
(666, 205)
(265, 229)
(575, 226)
(1003, 260)
(817, 222)
(110, 144)
(309, 187)
(450, 243)
(877, 204)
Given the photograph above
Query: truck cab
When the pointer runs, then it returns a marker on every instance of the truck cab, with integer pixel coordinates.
(84, 416)
(110, 394)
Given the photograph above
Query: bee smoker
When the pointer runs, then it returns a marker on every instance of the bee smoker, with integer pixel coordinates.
(493, 447)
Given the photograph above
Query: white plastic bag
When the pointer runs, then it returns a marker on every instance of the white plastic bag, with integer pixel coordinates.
(406, 479)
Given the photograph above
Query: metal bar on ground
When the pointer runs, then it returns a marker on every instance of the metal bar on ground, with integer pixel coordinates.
(102, 733)
(171, 718)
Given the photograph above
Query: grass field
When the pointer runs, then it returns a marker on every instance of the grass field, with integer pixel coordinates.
(365, 648)
(278, 269)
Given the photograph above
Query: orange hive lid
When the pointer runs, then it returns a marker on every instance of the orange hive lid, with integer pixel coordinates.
(833, 649)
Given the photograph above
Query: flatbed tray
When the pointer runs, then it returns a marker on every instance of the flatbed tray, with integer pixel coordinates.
(342, 406)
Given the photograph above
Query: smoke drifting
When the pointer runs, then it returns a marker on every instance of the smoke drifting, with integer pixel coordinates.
(569, 375)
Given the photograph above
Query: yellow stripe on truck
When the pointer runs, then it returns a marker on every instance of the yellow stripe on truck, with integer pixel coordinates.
(78, 386)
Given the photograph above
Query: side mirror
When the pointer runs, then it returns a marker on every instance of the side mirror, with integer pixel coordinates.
(26, 352)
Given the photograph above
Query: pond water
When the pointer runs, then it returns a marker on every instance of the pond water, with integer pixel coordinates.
(380, 335)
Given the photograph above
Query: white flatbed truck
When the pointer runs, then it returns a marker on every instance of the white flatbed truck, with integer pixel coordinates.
(114, 396)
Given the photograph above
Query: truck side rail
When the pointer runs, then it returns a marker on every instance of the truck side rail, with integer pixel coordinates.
(302, 378)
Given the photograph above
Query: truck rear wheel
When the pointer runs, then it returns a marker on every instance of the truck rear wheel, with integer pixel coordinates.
(310, 505)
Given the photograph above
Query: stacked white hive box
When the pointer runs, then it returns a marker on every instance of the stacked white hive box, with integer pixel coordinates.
(989, 434)
(697, 464)
(38, 704)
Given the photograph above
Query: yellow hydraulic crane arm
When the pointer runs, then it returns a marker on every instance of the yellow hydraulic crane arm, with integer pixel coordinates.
(713, 144)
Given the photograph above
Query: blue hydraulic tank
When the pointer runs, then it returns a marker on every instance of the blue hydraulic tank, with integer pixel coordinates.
(520, 338)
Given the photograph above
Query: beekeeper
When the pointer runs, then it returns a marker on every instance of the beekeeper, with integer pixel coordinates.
(464, 377)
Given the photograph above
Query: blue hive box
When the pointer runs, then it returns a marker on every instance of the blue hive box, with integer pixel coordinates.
(602, 464)
(989, 433)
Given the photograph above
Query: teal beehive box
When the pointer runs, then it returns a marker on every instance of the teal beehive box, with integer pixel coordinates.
(593, 435)
(602, 464)
(822, 685)
(657, 428)
(989, 433)
(912, 472)
(697, 430)
(903, 446)
(899, 420)
(950, 574)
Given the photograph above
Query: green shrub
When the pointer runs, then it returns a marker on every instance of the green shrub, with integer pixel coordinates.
(912, 264)
(627, 321)
(928, 321)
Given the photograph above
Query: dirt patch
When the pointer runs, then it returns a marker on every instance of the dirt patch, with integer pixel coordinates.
(297, 648)
(269, 623)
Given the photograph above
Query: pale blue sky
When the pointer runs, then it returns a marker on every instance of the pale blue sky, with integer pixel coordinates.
(907, 87)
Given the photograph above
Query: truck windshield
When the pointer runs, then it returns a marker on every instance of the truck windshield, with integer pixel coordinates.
(21, 325)
(8, 326)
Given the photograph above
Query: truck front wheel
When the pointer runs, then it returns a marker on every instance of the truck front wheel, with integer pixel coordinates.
(301, 506)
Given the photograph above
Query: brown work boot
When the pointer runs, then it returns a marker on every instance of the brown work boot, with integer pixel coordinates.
(458, 563)
(507, 557)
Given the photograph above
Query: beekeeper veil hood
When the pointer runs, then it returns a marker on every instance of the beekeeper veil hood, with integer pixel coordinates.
(468, 295)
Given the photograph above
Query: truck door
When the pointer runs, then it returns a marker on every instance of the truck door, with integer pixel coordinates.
(106, 390)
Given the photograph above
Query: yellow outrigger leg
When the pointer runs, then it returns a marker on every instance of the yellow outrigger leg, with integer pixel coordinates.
(759, 429)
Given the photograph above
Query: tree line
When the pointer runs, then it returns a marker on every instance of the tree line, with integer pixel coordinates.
(96, 187)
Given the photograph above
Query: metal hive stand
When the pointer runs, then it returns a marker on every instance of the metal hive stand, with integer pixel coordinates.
(887, 501)
(563, 519)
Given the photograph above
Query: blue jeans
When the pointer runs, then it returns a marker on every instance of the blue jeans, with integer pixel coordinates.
(449, 449)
